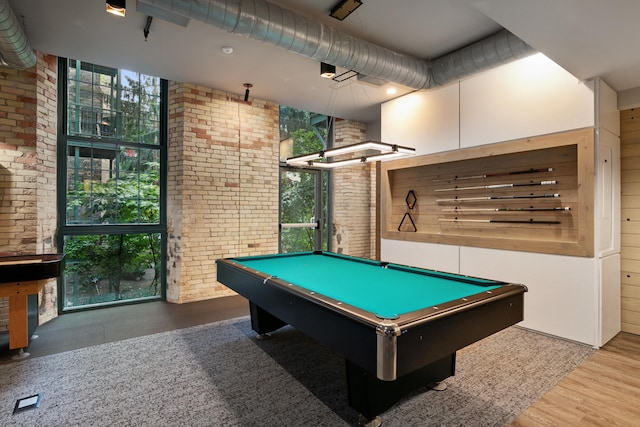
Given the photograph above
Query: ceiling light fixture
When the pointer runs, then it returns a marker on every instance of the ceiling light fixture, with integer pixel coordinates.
(320, 159)
(345, 76)
(327, 71)
(344, 9)
(117, 7)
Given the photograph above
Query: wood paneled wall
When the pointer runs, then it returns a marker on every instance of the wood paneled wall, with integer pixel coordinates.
(630, 215)
(533, 195)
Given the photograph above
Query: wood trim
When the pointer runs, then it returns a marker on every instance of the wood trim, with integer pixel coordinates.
(630, 216)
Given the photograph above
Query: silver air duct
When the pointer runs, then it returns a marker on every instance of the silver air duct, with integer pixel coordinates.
(15, 51)
(272, 24)
(500, 48)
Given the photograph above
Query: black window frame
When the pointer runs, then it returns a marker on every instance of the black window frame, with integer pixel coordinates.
(64, 229)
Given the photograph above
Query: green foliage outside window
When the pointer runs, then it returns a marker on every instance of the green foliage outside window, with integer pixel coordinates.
(112, 180)
(111, 267)
(130, 194)
(116, 257)
(307, 133)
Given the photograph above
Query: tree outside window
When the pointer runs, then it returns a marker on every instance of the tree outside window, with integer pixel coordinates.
(112, 233)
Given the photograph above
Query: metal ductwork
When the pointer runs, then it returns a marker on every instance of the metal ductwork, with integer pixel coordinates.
(15, 51)
(498, 49)
(272, 24)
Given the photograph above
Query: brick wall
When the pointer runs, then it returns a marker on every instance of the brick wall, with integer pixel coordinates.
(353, 228)
(28, 168)
(222, 186)
(222, 181)
(46, 144)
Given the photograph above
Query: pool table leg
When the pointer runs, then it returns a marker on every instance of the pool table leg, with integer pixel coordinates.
(262, 321)
(364, 422)
(370, 396)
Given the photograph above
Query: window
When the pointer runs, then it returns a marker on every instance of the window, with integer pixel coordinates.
(112, 184)
(304, 212)
(112, 207)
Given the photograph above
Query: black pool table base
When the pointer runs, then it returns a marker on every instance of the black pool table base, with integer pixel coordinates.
(377, 420)
(366, 393)
(370, 396)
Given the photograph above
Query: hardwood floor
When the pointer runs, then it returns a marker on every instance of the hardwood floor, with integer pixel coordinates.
(603, 391)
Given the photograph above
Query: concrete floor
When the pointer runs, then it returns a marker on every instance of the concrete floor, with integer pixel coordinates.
(85, 328)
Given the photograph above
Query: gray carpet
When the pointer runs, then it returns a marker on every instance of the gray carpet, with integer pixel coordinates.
(220, 375)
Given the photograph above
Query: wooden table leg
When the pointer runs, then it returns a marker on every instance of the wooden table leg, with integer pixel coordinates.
(18, 322)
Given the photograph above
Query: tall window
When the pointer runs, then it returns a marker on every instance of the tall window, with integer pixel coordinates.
(304, 208)
(113, 151)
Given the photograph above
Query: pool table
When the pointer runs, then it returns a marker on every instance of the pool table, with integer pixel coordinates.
(398, 327)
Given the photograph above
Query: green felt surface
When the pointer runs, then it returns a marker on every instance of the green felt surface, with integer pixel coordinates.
(386, 292)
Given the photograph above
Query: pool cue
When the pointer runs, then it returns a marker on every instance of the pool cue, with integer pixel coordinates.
(491, 175)
(530, 196)
(510, 221)
(530, 209)
(524, 184)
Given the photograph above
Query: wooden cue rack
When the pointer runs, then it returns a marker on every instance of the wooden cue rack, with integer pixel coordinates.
(534, 194)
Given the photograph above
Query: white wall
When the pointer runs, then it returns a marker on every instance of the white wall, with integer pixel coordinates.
(562, 289)
(530, 97)
(533, 96)
(427, 121)
(608, 191)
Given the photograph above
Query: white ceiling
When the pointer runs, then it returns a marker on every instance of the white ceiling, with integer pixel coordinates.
(589, 38)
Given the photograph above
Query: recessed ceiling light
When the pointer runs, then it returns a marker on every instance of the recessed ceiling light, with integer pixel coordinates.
(391, 91)
(116, 7)
(327, 71)
(227, 49)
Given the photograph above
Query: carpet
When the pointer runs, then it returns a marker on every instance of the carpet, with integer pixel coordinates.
(220, 375)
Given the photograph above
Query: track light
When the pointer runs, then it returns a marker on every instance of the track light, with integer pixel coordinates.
(246, 92)
(117, 7)
(327, 71)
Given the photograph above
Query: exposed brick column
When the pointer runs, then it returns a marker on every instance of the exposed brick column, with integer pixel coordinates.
(353, 227)
(28, 102)
(46, 149)
(222, 186)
